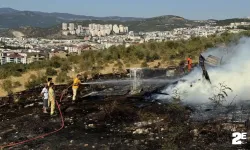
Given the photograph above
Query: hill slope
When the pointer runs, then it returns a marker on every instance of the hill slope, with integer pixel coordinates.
(11, 18)
(161, 23)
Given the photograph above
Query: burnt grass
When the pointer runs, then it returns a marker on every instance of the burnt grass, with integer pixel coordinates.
(106, 123)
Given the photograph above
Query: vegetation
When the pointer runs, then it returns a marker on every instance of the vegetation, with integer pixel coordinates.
(17, 84)
(221, 95)
(233, 20)
(62, 77)
(244, 27)
(51, 72)
(7, 86)
(92, 62)
(35, 81)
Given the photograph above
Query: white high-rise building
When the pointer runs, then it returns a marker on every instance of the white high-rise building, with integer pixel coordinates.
(64, 26)
(110, 26)
(78, 31)
(126, 29)
(121, 28)
(91, 26)
(79, 27)
(71, 26)
(107, 26)
(116, 29)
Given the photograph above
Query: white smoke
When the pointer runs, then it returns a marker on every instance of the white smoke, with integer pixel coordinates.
(234, 72)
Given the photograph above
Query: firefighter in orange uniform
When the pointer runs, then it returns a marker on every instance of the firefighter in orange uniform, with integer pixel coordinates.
(189, 63)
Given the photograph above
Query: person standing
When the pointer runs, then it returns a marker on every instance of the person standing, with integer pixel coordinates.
(75, 86)
(45, 98)
(189, 63)
(49, 81)
(52, 98)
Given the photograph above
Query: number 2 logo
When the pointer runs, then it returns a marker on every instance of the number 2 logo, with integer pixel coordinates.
(238, 137)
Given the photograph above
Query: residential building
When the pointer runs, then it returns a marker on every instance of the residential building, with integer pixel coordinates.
(32, 57)
(10, 57)
(58, 53)
(64, 26)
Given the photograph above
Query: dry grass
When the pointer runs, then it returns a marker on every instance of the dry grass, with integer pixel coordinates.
(108, 69)
(23, 79)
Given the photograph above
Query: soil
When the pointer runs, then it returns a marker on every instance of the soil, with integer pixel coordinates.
(112, 119)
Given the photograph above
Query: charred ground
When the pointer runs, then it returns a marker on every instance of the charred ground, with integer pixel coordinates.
(111, 120)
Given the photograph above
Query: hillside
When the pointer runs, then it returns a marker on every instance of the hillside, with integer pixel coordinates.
(161, 23)
(118, 59)
(228, 21)
(11, 18)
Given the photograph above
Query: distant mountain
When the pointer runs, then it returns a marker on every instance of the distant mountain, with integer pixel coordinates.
(161, 23)
(11, 18)
(7, 10)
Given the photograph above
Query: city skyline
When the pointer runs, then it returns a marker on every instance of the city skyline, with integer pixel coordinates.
(207, 9)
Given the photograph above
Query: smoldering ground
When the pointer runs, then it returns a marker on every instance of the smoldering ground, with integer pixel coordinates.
(234, 72)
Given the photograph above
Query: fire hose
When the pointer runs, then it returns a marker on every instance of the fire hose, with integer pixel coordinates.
(44, 135)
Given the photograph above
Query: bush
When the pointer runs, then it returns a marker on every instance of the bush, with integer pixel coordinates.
(7, 86)
(62, 77)
(66, 66)
(35, 81)
(144, 64)
(17, 84)
(51, 72)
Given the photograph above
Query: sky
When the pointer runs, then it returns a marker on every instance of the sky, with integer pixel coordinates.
(189, 9)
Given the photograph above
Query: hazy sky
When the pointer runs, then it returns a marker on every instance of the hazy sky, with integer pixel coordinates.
(190, 9)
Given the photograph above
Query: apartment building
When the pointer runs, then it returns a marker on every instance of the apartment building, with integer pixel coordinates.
(32, 57)
(58, 53)
(13, 57)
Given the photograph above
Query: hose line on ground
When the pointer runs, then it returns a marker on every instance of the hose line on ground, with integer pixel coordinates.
(44, 135)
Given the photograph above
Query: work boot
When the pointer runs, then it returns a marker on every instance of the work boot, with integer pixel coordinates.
(52, 114)
(45, 111)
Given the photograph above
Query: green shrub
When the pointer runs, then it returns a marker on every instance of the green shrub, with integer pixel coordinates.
(144, 64)
(62, 77)
(51, 72)
(7, 86)
(35, 81)
(66, 66)
(17, 84)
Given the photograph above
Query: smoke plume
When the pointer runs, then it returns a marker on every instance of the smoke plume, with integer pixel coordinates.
(233, 72)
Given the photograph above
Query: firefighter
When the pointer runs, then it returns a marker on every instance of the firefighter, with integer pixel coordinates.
(189, 63)
(75, 86)
(52, 99)
(49, 81)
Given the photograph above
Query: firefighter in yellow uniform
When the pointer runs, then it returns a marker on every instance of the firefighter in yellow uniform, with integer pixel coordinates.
(75, 86)
(52, 98)
(48, 83)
